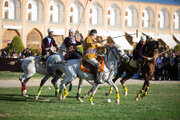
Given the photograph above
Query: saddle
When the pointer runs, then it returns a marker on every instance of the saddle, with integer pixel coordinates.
(134, 63)
(88, 68)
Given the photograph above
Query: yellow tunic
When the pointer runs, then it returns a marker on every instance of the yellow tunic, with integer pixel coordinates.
(89, 48)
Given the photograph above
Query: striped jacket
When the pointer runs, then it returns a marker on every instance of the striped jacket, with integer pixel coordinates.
(89, 48)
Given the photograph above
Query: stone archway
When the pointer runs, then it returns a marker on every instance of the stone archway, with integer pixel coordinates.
(34, 39)
(8, 36)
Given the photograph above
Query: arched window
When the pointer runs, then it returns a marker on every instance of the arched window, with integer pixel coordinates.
(51, 8)
(34, 38)
(11, 9)
(35, 8)
(6, 4)
(113, 15)
(163, 19)
(29, 16)
(76, 10)
(29, 6)
(8, 37)
(96, 14)
(71, 9)
(56, 13)
(131, 16)
(51, 18)
(147, 17)
(177, 19)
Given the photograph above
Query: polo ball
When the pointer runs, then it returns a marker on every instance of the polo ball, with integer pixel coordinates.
(108, 100)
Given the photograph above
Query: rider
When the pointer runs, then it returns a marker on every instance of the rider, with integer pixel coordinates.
(139, 51)
(47, 43)
(89, 54)
(71, 44)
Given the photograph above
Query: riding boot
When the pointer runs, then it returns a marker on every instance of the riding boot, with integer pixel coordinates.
(97, 74)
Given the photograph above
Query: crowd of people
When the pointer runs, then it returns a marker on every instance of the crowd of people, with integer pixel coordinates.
(26, 53)
(167, 66)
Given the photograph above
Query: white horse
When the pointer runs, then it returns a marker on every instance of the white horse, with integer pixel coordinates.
(72, 70)
(31, 65)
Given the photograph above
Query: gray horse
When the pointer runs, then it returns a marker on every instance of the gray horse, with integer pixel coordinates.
(31, 65)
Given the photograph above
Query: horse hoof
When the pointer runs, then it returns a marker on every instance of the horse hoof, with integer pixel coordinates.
(63, 97)
(92, 103)
(125, 94)
(80, 100)
(85, 95)
(60, 100)
(26, 96)
(136, 99)
(36, 98)
(106, 94)
(117, 101)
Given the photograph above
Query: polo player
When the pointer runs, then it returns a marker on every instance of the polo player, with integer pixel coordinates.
(47, 43)
(71, 44)
(90, 46)
(139, 52)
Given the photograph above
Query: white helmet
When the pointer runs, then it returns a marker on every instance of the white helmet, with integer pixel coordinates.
(49, 30)
(71, 30)
(143, 38)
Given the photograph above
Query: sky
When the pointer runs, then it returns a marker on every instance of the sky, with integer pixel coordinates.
(172, 2)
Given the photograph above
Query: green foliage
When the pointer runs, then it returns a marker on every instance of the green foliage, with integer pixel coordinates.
(177, 47)
(16, 45)
(161, 103)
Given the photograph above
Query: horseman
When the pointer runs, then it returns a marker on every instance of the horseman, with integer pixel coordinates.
(71, 44)
(47, 43)
(140, 51)
(90, 46)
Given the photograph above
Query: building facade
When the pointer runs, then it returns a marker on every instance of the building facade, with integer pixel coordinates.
(30, 20)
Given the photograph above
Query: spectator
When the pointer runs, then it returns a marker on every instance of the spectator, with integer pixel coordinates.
(158, 68)
(172, 65)
(177, 64)
(4, 54)
(165, 67)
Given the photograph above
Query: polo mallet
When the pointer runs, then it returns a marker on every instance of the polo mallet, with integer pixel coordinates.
(124, 35)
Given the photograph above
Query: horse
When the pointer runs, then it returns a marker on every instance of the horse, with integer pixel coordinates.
(148, 70)
(32, 65)
(72, 70)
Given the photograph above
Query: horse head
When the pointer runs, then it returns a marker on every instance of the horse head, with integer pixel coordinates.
(118, 52)
(152, 47)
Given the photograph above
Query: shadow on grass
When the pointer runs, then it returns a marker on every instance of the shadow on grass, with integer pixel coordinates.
(19, 98)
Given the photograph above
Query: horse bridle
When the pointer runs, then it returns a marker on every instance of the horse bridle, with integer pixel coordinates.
(118, 57)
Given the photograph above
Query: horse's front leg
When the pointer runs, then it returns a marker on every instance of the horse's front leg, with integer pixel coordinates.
(79, 90)
(124, 79)
(67, 79)
(146, 89)
(93, 93)
(111, 83)
(47, 76)
(140, 92)
(54, 82)
(148, 77)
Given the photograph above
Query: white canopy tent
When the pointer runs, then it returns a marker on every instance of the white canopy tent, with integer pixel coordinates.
(177, 36)
(168, 40)
(121, 41)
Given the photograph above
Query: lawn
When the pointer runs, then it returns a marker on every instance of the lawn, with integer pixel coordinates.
(5, 75)
(162, 103)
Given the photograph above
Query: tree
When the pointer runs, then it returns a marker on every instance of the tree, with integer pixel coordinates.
(16, 45)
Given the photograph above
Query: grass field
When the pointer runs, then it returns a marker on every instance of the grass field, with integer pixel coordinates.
(162, 103)
(5, 75)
